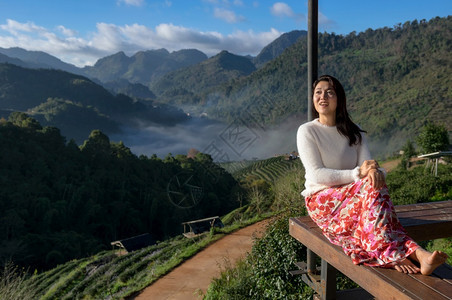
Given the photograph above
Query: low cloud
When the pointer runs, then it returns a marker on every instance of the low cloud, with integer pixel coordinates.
(281, 9)
(108, 39)
(67, 32)
(223, 142)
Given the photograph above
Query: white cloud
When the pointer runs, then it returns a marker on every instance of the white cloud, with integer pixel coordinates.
(281, 9)
(15, 27)
(325, 23)
(108, 39)
(66, 31)
(227, 15)
(131, 2)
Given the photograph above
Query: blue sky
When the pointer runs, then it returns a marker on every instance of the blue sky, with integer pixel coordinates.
(82, 31)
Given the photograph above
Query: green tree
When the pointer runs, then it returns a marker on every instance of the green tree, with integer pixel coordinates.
(21, 119)
(408, 152)
(433, 138)
(61, 201)
(97, 143)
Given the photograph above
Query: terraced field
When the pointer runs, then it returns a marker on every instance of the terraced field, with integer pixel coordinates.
(267, 169)
(109, 275)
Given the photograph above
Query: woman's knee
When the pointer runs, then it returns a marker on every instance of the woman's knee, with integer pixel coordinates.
(371, 189)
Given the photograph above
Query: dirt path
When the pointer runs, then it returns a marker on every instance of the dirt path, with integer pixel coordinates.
(390, 165)
(191, 279)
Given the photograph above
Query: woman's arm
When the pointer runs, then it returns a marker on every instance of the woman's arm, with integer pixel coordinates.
(309, 152)
(369, 167)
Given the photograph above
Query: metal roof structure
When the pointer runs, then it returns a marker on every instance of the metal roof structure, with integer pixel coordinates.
(135, 243)
(435, 156)
(197, 227)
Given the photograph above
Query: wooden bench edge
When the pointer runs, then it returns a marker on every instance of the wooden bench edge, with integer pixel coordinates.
(362, 275)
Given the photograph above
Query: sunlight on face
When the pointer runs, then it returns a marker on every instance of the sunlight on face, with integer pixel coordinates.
(325, 99)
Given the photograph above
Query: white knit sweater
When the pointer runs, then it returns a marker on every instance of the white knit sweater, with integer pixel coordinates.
(327, 157)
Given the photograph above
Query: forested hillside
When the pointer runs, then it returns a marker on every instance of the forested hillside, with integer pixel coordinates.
(37, 59)
(190, 85)
(106, 275)
(396, 79)
(61, 201)
(75, 104)
(277, 47)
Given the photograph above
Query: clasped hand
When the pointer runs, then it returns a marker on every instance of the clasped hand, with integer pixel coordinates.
(369, 169)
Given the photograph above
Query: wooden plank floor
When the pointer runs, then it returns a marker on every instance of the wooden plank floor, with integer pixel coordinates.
(438, 216)
(414, 286)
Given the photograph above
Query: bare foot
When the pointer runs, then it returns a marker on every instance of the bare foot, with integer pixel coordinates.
(430, 261)
(406, 266)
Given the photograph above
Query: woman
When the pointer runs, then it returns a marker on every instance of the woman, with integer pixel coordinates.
(345, 191)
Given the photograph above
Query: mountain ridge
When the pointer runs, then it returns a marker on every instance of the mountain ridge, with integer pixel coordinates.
(49, 94)
(39, 59)
(203, 77)
(386, 72)
(129, 68)
(277, 47)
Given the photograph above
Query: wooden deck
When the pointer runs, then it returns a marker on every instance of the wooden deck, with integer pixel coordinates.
(424, 221)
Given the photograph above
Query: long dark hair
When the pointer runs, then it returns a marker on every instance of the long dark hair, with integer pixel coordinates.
(344, 123)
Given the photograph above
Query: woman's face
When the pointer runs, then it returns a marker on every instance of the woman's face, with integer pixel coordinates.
(325, 99)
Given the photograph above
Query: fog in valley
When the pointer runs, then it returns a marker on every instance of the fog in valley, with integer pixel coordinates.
(224, 142)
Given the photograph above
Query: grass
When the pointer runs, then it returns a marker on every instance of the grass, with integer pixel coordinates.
(14, 283)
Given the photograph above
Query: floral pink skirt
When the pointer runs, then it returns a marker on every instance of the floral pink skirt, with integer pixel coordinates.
(363, 222)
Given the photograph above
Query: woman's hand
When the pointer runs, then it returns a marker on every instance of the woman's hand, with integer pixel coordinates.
(376, 178)
(367, 166)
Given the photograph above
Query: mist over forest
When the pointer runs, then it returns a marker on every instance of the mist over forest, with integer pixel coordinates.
(232, 141)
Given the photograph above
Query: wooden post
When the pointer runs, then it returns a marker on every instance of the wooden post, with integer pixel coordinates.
(328, 281)
(328, 273)
(312, 75)
(313, 17)
(310, 261)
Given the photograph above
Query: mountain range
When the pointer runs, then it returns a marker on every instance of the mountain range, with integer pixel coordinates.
(60, 94)
(144, 67)
(396, 80)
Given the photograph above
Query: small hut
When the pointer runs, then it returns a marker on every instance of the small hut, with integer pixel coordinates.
(196, 227)
(134, 243)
